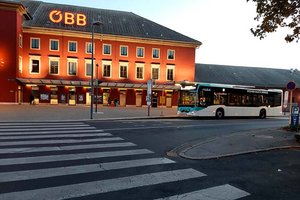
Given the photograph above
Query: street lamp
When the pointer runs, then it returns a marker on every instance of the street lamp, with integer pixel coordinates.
(97, 84)
(95, 23)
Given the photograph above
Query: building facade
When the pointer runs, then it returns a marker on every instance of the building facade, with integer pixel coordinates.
(46, 50)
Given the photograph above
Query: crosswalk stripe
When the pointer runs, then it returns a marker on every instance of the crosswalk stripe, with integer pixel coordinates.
(71, 170)
(45, 126)
(57, 135)
(68, 157)
(51, 132)
(38, 123)
(223, 192)
(103, 186)
(58, 141)
(46, 129)
(64, 148)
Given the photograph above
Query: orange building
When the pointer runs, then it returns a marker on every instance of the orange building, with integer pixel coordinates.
(46, 51)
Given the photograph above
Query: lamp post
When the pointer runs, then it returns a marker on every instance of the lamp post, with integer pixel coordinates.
(97, 87)
(97, 23)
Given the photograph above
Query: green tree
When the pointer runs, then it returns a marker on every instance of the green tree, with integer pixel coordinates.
(274, 14)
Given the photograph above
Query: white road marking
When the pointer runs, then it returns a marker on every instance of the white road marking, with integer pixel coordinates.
(65, 148)
(68, 157)
(71, 170)
(38, 123)
(58, 141)
(45, 129)
(50, 132)
(223, 192)
(57, 135)
(103, 186)
(45, 126)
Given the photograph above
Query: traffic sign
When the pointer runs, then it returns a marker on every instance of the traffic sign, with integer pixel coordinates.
(291, 85)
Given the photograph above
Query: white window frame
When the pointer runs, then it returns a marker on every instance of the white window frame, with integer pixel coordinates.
(110, 49)
(153, 49)
(34, 38)
(88, 61)
(58, 61)
(86, 47)
(136, 67)
(107, 63)
(69, 46)
(20, 64)
(72, 60)
(137, 48)
(20, 40)
(156, 66)
(127, 50)
(30, 63)
(170, 67)
(50, 45)
(126, 64)
(169, 50)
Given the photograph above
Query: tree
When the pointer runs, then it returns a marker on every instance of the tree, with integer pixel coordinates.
(274, 14)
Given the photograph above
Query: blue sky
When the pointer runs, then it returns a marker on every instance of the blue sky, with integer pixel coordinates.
(222, 26)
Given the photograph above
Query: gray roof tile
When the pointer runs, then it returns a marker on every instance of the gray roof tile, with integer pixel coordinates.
(239, 75)
(115, 22)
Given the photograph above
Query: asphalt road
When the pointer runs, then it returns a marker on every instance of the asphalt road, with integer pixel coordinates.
(127, 159)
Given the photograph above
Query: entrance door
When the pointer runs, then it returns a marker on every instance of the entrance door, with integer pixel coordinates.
(123, 100)
(106, 99)
(72, 98)
(138, 99)
(169, 102)
(88, 98)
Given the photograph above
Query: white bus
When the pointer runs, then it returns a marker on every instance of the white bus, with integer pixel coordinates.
(221, 100)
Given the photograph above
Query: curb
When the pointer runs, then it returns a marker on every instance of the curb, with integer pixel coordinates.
(182, 154)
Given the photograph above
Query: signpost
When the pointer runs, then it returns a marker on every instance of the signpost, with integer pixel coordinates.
(295, 117)
(290, 87)
(149, 94)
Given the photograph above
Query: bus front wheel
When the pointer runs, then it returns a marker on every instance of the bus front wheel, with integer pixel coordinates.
(220, 113)
(262, 114)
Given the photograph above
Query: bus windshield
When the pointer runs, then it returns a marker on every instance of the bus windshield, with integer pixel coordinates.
(187, 98)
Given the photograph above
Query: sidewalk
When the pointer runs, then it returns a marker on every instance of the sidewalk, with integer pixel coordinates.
(26, 112)
(239, 143)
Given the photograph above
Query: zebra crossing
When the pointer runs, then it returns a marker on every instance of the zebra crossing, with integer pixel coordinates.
(73, 160)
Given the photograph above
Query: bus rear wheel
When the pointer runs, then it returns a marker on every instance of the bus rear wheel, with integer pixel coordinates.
(262, 114)
(220, 113)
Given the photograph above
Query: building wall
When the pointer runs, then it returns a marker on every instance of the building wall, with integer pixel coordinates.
(184, 61)
(9, 49)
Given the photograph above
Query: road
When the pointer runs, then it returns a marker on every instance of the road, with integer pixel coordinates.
(127, 159)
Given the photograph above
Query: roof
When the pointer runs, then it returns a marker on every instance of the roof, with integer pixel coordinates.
(114, 22)
(250, 76)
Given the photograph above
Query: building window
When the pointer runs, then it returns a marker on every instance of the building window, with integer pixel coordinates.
(72, 46)
(170, 73)
(155, 53)
(54, 45)
(106, 70)
(171, 54)
(140, 52)
(20, 64)
(106, 49)
(20, 41)
(35, 43)
(124, 50)
(88, 48)
(139, 72)
(123, 70)
(88, 67)
(155, 72)
(35, 62)
(72, 67)
(54, 66)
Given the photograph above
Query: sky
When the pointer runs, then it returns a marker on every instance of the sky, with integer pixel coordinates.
(222, 26)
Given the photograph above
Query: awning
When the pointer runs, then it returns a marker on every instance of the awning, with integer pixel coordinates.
(31, 81)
